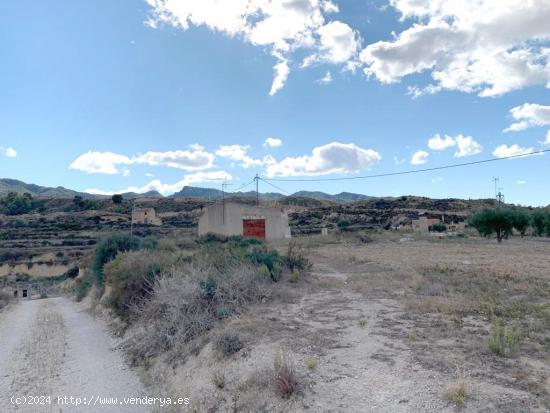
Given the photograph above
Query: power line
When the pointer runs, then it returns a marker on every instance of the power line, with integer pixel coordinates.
(275, 186)
(412, 171)
(244, 186)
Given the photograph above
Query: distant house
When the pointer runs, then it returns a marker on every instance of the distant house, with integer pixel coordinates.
(424, 223)
(145, 216)
(246, 220)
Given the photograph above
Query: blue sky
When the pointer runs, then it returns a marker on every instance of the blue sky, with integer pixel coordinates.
(111, 96)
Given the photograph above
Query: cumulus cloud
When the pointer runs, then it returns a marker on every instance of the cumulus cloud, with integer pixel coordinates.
(437, 143)
(467, 146)
(332, 158)
(166, 189)
(504, 151)
(108, 162)
(419, 158)
(239, 153)
(272, 142)
(187, 160)
(484, 47)
(283, 27)
(100, 162)
(528, 115)
(9, 152)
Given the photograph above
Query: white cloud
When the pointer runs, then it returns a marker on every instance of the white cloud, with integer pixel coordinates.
(272, 142)
(107, 162)
(528, 115)
(165, 189)
(9, 152)
(437, 179)
(332, 158)
(326, 79)
(126, 172)
(239, 153)
(504, 151)
(467, 146)
(437, 143)
(100, 162)
(419, 158)
(186, 160)
(547, 141)
(520, 182)
(282, 70)
(149, 175)
(486, 47)
(338, 42)
(283, 27)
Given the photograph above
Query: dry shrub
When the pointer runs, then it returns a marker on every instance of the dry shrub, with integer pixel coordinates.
(286, 382)
(131, 277)
(185, 303)
(296, 259)
(228, 344)
(457, 391)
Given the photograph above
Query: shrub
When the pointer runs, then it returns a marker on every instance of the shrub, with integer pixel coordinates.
(83, 285)
(285, 379)
(108, 249)
(185, 303)
(131, 277)
(456, 392)
(218, 380)
(343, 224)
(228, 344)
(504, 341)
(117, 199)
(295, 258)
(270, 258)
(72, 272)
(439, 227)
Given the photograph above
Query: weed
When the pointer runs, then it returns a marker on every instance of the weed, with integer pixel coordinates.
(218, 379)
(311, 362)
(363, 322)
(285, 379)
(457, 391)
(504, 341)
(228, 344)
(296, 259)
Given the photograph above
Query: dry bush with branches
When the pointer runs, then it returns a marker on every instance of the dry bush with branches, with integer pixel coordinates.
(187, 301)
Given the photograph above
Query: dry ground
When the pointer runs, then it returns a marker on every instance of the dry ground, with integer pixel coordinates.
(397, 324)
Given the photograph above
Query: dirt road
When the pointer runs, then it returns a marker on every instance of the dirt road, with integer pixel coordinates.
(51, 347)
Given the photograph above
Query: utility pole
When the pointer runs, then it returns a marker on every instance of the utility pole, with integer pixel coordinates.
(223, 201)
(495, 180)
(256, 178)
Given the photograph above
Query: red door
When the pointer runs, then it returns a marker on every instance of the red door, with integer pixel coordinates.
(254, 228)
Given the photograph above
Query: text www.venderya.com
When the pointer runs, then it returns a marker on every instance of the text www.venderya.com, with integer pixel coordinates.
(95, 400)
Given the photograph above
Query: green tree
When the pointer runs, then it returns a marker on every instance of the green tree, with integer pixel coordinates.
(493, 221)
(15, 204)
(540, 221)
(520, 221)
(117, 198)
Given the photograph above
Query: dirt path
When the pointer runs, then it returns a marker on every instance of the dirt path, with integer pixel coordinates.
(53, 347)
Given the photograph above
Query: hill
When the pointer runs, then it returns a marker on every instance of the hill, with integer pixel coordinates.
(14, 185)
(341, 198)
